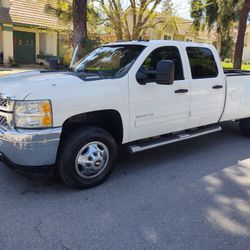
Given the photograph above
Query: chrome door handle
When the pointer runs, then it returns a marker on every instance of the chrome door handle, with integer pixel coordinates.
(181, 91)
(217, 87)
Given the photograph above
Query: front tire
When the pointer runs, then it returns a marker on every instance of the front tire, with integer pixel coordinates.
(245, 126)
(86, 157)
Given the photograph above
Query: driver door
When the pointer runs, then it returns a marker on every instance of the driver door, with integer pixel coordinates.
(158, 109)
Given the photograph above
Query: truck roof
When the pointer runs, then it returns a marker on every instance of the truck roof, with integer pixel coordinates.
(159, 43)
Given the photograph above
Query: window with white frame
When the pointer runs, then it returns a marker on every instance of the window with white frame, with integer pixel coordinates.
(167, 37)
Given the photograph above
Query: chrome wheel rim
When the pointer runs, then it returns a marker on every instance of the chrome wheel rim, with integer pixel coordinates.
(92, 160)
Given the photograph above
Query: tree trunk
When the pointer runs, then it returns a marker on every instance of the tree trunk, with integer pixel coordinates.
(241, 34)
(218, 43)
(218, 37)
(79, 22)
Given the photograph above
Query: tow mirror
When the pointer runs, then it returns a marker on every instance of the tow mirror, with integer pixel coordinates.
(165, 71)
(141, 78)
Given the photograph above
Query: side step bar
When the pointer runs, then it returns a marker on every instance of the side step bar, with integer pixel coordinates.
(154, 143)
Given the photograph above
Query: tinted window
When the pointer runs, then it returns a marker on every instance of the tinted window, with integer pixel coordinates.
(202, 63)
(164, 53)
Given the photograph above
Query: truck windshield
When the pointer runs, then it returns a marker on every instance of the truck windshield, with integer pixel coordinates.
(109, 61)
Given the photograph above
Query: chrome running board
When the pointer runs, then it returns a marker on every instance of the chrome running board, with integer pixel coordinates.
(154, 143)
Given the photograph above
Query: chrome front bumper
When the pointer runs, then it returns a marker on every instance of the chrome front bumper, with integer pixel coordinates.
(30, 147)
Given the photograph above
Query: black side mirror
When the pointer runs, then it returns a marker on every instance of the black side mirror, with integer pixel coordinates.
(165, 71)
(141, 78)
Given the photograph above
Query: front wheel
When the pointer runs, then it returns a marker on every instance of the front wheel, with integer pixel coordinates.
(245, 126)
(87, 157)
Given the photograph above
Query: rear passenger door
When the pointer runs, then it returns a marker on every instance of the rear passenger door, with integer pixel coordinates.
(207, 87)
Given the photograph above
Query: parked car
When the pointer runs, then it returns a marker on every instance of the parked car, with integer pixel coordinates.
(143, 94)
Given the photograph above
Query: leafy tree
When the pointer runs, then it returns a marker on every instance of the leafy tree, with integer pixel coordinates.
(131, 20)
(197, 9)
(219, 15)
(114, 13)
(167, 7)
(84, 16)
(228, 15)
(241, 34)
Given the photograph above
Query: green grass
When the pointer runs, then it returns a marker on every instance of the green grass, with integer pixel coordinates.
(230, 66)
(4, 73)
(10, 72)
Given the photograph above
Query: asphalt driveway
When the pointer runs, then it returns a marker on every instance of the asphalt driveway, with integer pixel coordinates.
(190, 195)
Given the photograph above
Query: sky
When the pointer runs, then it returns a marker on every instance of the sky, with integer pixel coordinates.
(182, 8)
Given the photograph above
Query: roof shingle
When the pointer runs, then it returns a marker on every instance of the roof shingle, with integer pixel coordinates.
(35, 13)
(183, 25)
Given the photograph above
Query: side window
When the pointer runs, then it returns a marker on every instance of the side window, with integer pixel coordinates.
(164, 53)
(202, 63)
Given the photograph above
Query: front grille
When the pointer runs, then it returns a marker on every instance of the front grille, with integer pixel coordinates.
(3, 102)
(3, 121)
(6, 103)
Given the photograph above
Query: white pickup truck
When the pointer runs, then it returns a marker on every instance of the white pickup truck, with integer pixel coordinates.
(144, 94)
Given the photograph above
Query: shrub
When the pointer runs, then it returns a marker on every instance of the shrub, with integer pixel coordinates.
(228, 60)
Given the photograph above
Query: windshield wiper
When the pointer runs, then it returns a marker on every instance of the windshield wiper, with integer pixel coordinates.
(91, 73)
(71, 69)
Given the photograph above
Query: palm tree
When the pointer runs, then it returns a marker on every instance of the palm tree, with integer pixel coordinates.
(84, 17)
(197, 8)
(219, 15)
(79, 12)
(241, 34)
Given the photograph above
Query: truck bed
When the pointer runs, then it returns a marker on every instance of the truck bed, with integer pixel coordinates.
(236, 72)
(237, 101)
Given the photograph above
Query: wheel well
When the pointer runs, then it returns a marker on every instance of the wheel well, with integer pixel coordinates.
(109, 120)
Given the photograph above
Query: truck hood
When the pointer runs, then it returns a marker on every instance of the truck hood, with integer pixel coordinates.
(21, 85)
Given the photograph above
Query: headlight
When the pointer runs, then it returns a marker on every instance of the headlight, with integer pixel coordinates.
(33, 114)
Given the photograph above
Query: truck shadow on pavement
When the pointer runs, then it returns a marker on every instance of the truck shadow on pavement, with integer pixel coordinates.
(191, 195)
(221, 148)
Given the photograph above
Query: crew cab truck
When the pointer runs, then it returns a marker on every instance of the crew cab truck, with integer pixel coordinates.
(144, 94)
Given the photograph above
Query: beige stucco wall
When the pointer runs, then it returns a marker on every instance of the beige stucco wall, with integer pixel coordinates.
(8, 50)
(1, 39)
(52, 43)
(48, 46)
(246, 51)
(179, 37)
(200, 40)
(42, 42)
(6, 3)
(48, 43)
